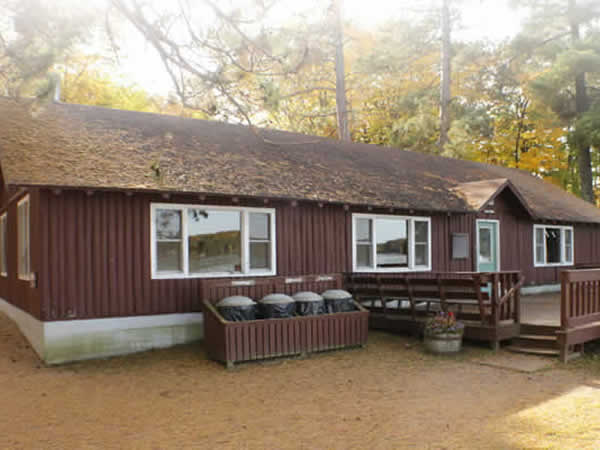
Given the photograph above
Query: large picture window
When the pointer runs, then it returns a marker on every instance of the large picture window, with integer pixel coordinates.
(553, 245)
(212, 241)
(383, 243)
(23, 230)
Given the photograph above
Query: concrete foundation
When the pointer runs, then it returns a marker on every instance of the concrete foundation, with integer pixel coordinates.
(74, 340)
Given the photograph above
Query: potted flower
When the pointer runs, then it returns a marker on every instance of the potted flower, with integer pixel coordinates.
(443, 333)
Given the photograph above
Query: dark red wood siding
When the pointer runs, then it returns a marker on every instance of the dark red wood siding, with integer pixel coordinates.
(97, 262)
(92, 252)
(20, 293)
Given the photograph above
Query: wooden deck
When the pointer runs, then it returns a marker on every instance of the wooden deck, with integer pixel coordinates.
(487, 303)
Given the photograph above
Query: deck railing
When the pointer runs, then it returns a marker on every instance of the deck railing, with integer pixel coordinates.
(580, 298)
(488, 302)
(579, 310)
(496, 294)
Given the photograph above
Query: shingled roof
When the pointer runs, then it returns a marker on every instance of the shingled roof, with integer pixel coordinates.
(92, 147)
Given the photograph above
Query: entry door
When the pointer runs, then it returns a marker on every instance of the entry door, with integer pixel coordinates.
(488, 249)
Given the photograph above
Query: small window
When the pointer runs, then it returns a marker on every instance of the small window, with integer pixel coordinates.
(212, 241)
(23, 230)
(460, 245)
(553, 245)
(364, 243)
(391, 243)
(3, 251)
(260, 241)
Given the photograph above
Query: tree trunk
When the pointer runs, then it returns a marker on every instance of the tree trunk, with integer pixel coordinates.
(445, 76)
(582, 104)
(340, 77)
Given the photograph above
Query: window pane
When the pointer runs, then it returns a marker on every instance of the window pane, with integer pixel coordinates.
(168, 224)
(392, 243)
(485, 245)
(568, 246)
(168, 256)
(214, 241)
(260, 255)
(539, 236)
(421, 255)
(552, 245)
(363, 230)
(539, 245)
(363, 255)
(460, 245)
(421, 232)
(259, 226)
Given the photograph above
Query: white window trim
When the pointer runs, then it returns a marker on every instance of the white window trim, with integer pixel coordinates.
(563, 262)
(3, 249)
(245, 249)
(498, 254)
(21, 275)
(411, 250)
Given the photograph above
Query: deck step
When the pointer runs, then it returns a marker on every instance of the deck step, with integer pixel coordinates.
(533, 351)
(536, 342)
(543, 330)
(538, 337)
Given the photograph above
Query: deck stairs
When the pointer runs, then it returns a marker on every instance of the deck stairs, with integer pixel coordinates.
(536, 340)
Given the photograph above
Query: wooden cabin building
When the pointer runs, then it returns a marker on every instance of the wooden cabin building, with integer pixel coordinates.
(113, 224)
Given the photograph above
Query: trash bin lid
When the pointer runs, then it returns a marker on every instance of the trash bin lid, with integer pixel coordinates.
(276, 299)
(236, 300)
(336, 294)
(307, 296)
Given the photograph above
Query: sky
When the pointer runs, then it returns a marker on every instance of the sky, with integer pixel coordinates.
(480, 19)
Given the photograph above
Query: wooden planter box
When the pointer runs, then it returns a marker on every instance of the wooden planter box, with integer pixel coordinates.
(231, 342)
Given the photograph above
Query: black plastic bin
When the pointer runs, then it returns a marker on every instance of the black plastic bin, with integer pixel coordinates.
(237, 308)
(338, 300)
(277, 306)
(309, 303)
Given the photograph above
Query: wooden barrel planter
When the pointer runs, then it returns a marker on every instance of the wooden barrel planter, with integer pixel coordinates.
(232, 342)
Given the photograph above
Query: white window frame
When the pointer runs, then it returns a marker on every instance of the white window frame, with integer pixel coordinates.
(3, 249)
(563, 253)
(411, 241)
(24, 233)
(245, 236)
(498, 248)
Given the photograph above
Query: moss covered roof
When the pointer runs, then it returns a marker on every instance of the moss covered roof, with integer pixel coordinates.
(92, 147)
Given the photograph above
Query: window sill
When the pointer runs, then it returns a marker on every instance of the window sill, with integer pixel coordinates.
(22, 277)
(390, 270)
(554, 265)
(183, 276)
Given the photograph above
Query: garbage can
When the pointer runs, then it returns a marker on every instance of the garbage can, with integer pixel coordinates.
(237, 308)
(338, 300)
(309, 303)
(277, 306)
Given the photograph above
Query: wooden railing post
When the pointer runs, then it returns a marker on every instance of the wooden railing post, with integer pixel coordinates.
(517, 311)
(564, 300)
(494, 298)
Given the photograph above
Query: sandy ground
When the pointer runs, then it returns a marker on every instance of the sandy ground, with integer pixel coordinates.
(389, 395)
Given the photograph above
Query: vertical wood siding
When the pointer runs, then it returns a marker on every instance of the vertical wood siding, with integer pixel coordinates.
(97, 260)
(92, 252)
(18, 292)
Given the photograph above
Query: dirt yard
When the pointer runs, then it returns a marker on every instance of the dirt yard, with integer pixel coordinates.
(389, 395)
